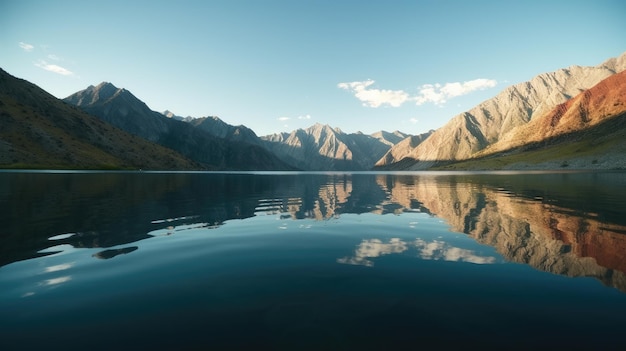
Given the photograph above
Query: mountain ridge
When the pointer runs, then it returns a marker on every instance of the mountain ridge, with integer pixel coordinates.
(122, 109)
(471, 131)
(511, 122)
(321, 147)
(41, 131)
(586, 132)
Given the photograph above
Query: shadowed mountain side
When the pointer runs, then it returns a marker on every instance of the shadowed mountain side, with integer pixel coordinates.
(217, 127)
(530, 230)
(38, 130)
(123, 110)
(485, 124)
(401, 150)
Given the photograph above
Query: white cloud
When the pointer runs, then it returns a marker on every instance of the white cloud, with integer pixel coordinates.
(26, 47)
(439, 94)
(375, 97)
(285, 118)
(53, 68)
(54, 57)
(434, 93)
(413, 120)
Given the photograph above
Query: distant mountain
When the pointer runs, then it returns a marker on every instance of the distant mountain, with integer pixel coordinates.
(216, 127)
(170, 114)
(389, 138)
(403, 148)
(38, 130)
(323, 148)
(122, 109)
(470, 132)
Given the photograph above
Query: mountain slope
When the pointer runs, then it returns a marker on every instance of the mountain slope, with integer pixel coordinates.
(322, 148)
(38, 130)
(587, 131)
(123, 110)
(216, 127)
(403, 149)
(483, 125)
(603, 101)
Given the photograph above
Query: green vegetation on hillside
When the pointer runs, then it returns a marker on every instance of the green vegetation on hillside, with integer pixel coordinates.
(38, 131)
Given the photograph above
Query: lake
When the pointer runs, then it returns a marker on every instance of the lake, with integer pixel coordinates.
(149, 260)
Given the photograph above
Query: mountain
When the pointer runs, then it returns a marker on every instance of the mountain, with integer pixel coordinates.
(389, 138)
(170, 114)
(40, 131)
(122, 109)
(472, 131)
(323, 148)
(216, 127)
(403, 148)
(587, 131)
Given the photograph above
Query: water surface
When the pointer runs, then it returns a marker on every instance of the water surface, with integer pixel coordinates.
(312, 260)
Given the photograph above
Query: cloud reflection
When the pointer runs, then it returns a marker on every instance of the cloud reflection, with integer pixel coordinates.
(56, 281)
(440, 250)
(58, 267)
(433, 250)
(374, 248)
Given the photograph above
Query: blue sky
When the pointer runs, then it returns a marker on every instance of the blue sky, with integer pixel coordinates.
(276, 66)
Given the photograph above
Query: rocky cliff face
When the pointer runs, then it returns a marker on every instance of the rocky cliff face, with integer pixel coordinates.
(485, 124)
(122, 109)
(322, 148)
(603, 101)
(403, 148)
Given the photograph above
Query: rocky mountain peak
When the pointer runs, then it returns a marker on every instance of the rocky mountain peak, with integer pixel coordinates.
(616, 64)
(98, 94)
(105, 90)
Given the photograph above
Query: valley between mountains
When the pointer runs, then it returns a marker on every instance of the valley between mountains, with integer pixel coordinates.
(572, 118)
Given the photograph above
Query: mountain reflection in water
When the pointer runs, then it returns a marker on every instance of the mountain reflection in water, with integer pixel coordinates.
(312, 260)
(566, 223)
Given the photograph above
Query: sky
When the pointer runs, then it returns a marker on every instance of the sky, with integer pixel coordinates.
(276, 66)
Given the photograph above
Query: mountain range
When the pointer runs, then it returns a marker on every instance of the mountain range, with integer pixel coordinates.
(321, 147)
(572, 117)
(120, 108)
(38, 130)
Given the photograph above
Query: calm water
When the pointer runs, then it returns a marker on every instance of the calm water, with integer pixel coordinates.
(312, 261)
